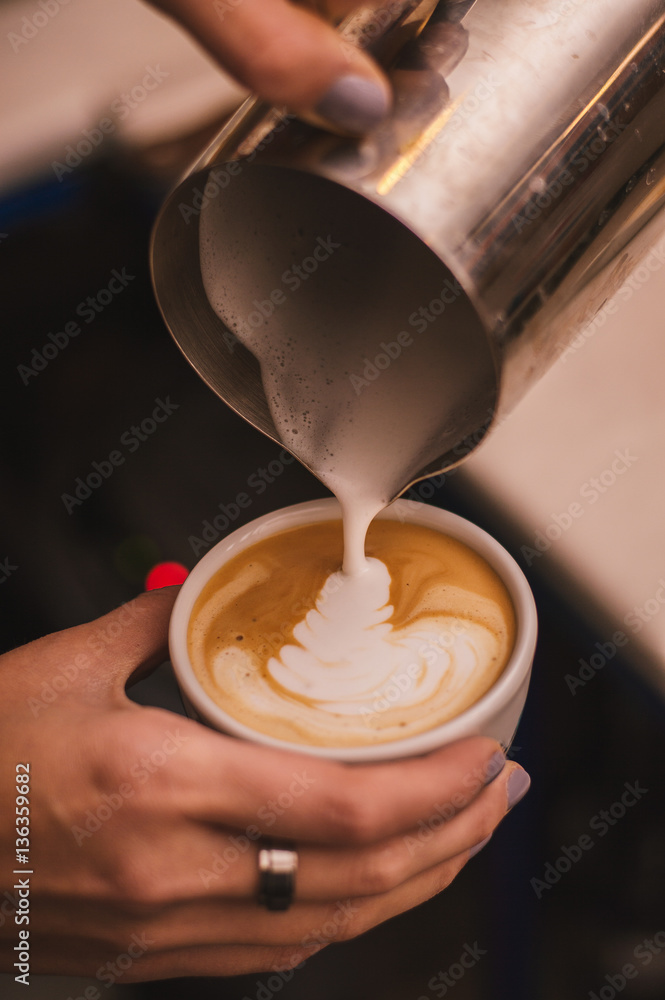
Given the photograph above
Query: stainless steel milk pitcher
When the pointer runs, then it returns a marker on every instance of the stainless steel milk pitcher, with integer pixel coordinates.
(521, 163)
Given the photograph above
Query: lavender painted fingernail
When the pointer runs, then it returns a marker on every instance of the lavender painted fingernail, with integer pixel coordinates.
(494, 766)
(518, 785)
(354, 104)
(478, 847)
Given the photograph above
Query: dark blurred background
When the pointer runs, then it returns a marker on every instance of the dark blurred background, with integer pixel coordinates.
(60, 242)
(560, 941)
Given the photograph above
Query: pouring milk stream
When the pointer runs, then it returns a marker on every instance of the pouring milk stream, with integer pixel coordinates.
(364, 441)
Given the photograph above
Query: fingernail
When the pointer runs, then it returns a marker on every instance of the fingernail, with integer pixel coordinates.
(518, 785)
(478, 848)
(494, 766)
(354, 104)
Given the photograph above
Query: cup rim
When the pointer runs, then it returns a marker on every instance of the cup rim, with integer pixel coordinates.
(469, 722)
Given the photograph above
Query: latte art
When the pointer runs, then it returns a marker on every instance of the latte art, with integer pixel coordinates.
(350, 662)
(403, 647)
(417, 626)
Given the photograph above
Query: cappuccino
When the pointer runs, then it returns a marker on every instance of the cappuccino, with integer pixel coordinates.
(293, 648)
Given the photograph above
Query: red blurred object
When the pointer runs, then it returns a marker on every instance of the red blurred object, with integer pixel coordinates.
(166, 574)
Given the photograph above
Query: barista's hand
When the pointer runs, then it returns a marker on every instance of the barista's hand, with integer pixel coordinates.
(144, 825)
(289, 54)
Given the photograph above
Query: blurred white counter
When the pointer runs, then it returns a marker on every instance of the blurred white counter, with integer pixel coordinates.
(68, 65)
(578, 471)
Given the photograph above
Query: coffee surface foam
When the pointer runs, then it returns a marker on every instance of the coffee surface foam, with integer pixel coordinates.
(290, 646)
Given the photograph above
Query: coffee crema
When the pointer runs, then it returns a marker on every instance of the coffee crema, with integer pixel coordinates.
(291, 647)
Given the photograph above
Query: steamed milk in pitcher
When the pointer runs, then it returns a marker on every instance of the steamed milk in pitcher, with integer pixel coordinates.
(363, 409)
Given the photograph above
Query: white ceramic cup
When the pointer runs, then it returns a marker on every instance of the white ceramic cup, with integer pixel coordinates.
(495, 714)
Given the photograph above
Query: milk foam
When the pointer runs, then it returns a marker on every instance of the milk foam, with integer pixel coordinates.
(365, 438)
(384, 655)
(365, 384)
(350, 661)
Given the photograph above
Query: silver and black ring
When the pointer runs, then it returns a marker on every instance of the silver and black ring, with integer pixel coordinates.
(278, 864)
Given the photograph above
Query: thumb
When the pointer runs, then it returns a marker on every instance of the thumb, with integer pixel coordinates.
(100, 657)
(290, 57)
(131, 641)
